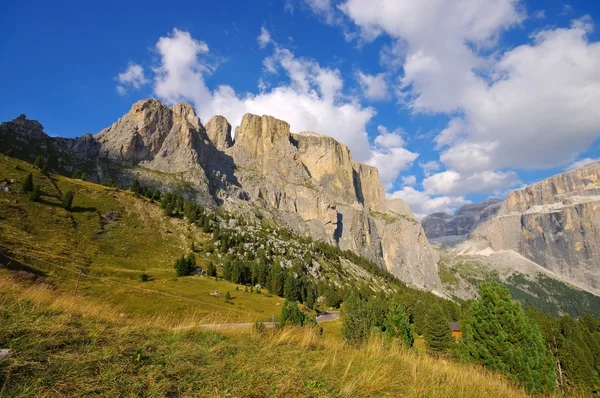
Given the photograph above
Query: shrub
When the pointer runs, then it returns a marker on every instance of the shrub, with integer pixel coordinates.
(67, 200)
(39, 162)
(45, 170)
(211, 270)
(76, 174)
(357, 320)
(227, 296)
(144, 277)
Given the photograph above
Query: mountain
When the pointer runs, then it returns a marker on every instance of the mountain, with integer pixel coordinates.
(446, 228)
(304, 181)
(554, 223)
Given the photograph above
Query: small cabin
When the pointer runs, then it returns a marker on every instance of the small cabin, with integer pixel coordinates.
(456, 332)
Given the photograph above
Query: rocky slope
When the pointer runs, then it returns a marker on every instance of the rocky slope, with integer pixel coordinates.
(462, 223)
(554, 223)
(305, 181)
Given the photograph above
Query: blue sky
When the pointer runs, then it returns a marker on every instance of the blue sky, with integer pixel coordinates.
(453, 101)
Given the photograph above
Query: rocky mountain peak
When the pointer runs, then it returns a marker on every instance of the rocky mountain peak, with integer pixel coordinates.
(218, 130)
(25, 128)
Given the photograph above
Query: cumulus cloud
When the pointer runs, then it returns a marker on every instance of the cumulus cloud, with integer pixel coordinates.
(310, 98)
(581, 163)
(429, 167)
(454, 184)
(264, 38)
(374, 87)
(133, 77)
(423, 204)
(409, 180)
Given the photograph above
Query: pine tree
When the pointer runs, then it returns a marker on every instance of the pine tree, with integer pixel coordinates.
(276, 286)
(28, 183)
(67, 200)
(35, 194)
(227, 296)
(135, 187)
(437, 332)
(310, 298)
(357, 320)
(498, 335)
(45, 170)
(211, 270)
(290, 289)
(291, 314)
(76, 174)
(83, 176)
(398, 325)
(39, 162)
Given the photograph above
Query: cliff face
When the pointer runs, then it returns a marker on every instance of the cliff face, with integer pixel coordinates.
(555, 223)
(306, 181)
(463, 222)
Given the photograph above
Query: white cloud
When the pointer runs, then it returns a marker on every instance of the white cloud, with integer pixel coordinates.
(540, 14)
(324, 9)
(132, 77)
(311, 100)
(429, 167)
(389, 156)
(423, 204)
(409, 180)
(374, 87)
(581, 163)
(264, 38)
(454, 184)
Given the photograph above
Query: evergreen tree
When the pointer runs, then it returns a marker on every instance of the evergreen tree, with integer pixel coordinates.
(35, 194)
(190, 212)
(397, 324)
(39, 162)
(76, 174)
(357, 320)
(498, 335)
(211, 270)
(310, 298)
(185, 266)
(67, 200)
(227, 270)
(135, 187)
(437, 332)
(290, 289)
(45, 170)
(276, 286)
(291, 314)
(28, 183)
(83, 176)
(332, 298)
(227, 296)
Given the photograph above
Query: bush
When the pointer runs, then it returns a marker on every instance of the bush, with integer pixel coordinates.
(45, 170)
(211, 269)
(39, 162)
(67, 200)
(28, 183)
(144, 277)
(227, 296)
(76, 175)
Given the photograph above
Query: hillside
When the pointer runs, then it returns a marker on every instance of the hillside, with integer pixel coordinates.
(66, 345)
(303, 181)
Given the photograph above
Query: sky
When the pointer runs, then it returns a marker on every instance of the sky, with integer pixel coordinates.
(454, 101)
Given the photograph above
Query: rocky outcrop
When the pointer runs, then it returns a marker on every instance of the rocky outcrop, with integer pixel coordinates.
(463, 222)
(306, 181)
(555, 223)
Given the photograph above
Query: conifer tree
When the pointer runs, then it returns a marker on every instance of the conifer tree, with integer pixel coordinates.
(310, 298)
(276, 286)
(39, 162)
(227, 296)
(76, 174)
(28, 183)
(211, 270)
(436, 331)
(290, 289)
(35, 194)
(135, 187)
(291, 314)
(398, 325)
(498, 335)
(67, 200)
(45, 170)
(357, 320)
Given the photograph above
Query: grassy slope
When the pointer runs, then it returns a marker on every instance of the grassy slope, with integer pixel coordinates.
(141, 240)
(71, 346)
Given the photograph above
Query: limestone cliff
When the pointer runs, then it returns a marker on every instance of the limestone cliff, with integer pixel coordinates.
(555, 223)
(306, 181)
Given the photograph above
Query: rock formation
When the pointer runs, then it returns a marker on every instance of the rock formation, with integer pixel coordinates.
(554, 223)
(462, 223)
(306, 181)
